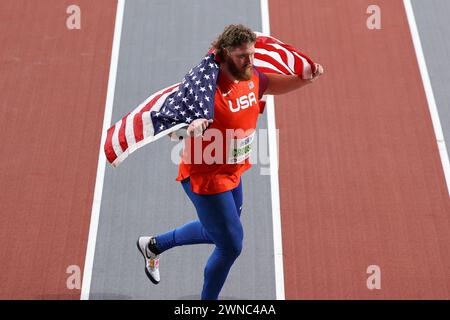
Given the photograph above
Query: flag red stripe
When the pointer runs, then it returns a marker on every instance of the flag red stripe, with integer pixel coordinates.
(137, 121)
(273, 62)
(299, 68)
(137, 127)
(122, 138)
(266, 70)
(109, 150)
(281, 52)
(149, 105)
(298, 63)
(263, 39)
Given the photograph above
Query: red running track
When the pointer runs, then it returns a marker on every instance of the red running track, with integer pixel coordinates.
(53, 83)
(361, 182)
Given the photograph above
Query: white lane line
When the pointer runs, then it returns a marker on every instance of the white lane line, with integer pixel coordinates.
(275, 191)
(90, 251)
(429, 92)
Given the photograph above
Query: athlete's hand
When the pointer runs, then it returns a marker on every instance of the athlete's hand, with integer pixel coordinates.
(319, 72)
(197, 127)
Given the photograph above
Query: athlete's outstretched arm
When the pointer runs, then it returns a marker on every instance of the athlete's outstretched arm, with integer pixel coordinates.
(280, 84)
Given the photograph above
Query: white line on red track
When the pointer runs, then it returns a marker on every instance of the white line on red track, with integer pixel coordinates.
(275, 191)
(429, 92)
(90, 251)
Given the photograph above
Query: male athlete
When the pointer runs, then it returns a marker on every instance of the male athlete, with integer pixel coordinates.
(215, 188)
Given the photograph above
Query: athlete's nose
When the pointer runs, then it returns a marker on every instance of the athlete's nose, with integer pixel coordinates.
(248, 61)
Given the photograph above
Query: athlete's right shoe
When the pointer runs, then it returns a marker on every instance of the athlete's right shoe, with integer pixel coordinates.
(151, 259)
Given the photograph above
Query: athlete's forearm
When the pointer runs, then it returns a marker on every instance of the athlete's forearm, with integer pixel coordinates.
(280, 84)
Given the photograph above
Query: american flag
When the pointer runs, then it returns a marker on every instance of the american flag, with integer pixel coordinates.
(174, 107)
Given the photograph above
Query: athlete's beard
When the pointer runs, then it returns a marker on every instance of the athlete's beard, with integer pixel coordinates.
(244, 73)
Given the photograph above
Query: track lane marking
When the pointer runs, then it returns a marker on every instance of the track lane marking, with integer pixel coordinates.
(95, 213)
(274, 182)
(428, 91)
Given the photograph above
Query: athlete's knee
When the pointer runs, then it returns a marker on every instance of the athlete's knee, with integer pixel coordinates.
(232, 249)
(236, 249)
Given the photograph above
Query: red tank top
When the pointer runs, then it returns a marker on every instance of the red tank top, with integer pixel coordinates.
(216, 161)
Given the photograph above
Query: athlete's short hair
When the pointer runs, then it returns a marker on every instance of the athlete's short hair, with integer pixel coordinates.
(234, 35)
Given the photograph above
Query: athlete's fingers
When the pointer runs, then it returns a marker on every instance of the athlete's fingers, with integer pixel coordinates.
(318, 72)
(198, 131)
(204, 124)
(198, 126)
(189, 131)
(319, 69)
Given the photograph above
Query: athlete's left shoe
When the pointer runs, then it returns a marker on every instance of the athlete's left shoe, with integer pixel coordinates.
(151, 259)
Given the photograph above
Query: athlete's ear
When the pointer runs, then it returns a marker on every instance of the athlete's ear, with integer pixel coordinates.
(227, 51)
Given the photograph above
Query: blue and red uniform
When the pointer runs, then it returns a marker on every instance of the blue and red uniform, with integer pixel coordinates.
(215, 188)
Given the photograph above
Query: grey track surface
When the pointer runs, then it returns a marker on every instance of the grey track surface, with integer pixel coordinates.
(161, 40)
(434, 29)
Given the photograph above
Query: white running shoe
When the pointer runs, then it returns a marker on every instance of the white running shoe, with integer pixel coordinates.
(151, 259)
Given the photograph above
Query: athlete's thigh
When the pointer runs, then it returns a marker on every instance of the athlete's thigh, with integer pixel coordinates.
(238, 197)
(218, 214)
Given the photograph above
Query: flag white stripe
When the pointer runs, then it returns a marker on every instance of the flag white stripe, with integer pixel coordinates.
(148, 129)
(115, 138)
(289, 55)
(277, 57)
(147, 124)
(307, 68)
(129, 129)
(265, 64)
(143, 142)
